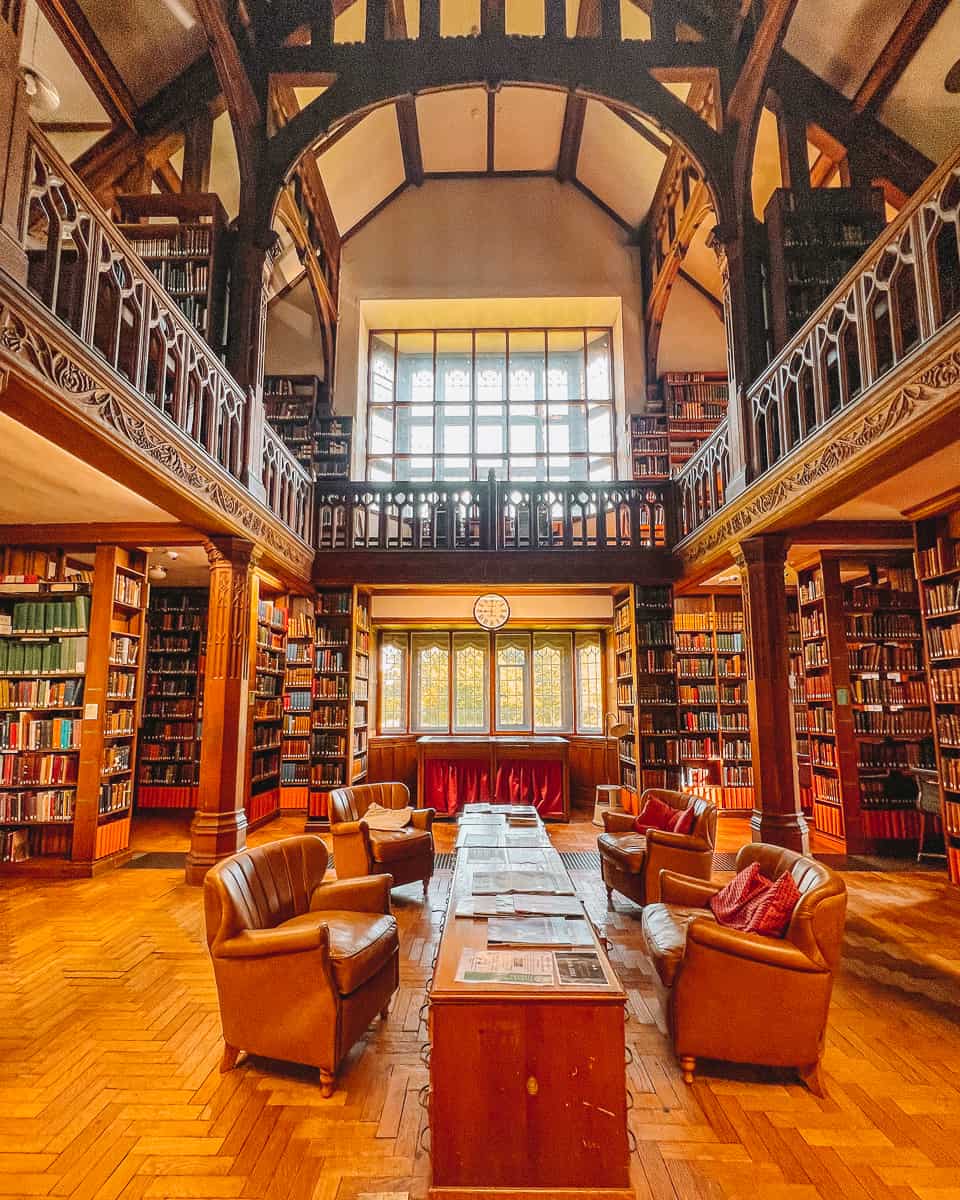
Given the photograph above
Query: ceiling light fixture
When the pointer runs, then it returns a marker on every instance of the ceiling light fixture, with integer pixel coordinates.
(173, 554)
(157, 574)
(181, 13)
(44, 97)
(952, 81)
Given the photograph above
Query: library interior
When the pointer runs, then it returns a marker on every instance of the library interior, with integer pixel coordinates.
(480, 599)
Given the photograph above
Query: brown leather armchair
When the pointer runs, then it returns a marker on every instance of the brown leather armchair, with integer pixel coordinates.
(631, 862)
(743, 997)
(302, 966)
(406, 854)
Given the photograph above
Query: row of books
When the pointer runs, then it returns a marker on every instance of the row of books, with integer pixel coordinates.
(943, 641)
(828, 819)
(18, 731)
(35, 767)
(882, 756)
(885, 658)
(54, 804)
(186, 242)
(127, 590)
(886, 691)
(907, 723)
(41, 693)
(70, 615)
(938, 559)
(945, 685)
(59, 656)
(942, 598)
(115, 796)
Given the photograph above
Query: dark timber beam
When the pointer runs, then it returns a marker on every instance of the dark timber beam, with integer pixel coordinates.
(197, 148)
(410, 139)
(575, 110)
(246, 115)
(911, 31)
(85, 48)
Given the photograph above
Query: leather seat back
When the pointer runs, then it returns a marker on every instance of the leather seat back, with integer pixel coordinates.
(705, 812)
(350, 803)
(262, 887)
(816, 926)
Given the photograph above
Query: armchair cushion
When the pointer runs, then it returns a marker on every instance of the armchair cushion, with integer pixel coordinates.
(400, 844)
(683, 822)
(655, 814)
(628, 850)
(360, 943)
(665, 933)
(742, 888)
(770, 912)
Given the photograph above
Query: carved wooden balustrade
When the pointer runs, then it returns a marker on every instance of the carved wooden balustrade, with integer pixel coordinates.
(492, 516)
(287, 485)
(904, 292)
(702, 485)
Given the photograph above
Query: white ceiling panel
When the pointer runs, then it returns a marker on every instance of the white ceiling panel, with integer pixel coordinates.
(453, 130)
(363, 167)
(618, 164)
(43, 50)
(529, 122)
(841, 39)
(919, 108)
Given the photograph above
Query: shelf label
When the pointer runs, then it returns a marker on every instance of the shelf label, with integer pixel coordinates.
(871, 675)
(895, 676)
(843, 695)
(91, 712)
(873, 708)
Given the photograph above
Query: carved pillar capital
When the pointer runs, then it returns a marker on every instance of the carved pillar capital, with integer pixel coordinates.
(764, 550)
(232, 551)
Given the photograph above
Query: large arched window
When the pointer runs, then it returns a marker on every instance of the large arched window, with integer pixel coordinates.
(527, 404)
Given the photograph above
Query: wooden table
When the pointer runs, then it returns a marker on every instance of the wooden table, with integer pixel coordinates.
(528, 1094)
(493, 752)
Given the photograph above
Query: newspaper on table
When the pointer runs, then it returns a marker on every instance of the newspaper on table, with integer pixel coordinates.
(527, 838)
(579, 968)
(529, 968)
(538, 931)
(520, 905)
(487, 883)
(488, 818)
(493, 856)
(481, 836)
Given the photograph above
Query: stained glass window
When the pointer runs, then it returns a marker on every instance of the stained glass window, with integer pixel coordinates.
(470, 686)
(393, 692)
(431, 681)
(513, 669)
(589, 684)
(552, 683)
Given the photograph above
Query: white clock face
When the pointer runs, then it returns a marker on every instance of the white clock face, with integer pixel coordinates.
(491, 611)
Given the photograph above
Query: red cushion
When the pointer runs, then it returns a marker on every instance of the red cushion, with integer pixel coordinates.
(769, 912)
(655, 814)
(742, 888)
(683, 823)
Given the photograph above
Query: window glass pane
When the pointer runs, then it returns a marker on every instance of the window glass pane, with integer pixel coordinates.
(381, 368)
(454, 429)
(527, 365)
(528, 470)
(470, 686)
(393, 678)
(415, 368)
(601, 429)
(601, 470)
(453, 468)
(526, 429)
(513, 681)
(431, 679)
(491, 367)
(381, 431)
(599, 374)
(552, 683)
(491, 429)
(454, 367)
(497, 465)
(565, 364)
(589, 684)
(567, 428)
(560, 468)
(414, 468)
(379, 470)
(415, 429)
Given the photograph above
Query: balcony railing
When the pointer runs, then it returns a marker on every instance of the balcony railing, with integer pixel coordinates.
(88, 275)
(903, 292)
(493, 515)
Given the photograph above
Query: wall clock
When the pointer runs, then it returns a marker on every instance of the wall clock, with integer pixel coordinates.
(491, 611)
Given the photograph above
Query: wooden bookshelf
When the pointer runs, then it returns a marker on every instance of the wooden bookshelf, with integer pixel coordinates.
(649, 447)
(867, 698)
(168, 769)
(714, 721)
(269, 670)
(938, 570)
(182, 240)
(298, 687)
(625, 684)
(656, 688)
(293, 405)
(814, 237)
(332, 449)
(695, 403)
(798, 701)
(339, 749)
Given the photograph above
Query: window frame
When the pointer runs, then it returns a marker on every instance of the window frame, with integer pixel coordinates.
(411, 638)
(585, 412)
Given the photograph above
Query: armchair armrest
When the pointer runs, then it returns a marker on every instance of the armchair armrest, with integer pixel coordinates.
(265, 943)
(423, 818)
(752, 947)
(617, 822)
(686, 891)
(347, 828)
(677, 841)
(367, 894)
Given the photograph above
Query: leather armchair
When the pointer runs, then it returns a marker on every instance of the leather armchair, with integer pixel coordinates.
(743, 997)
(302, 966)
(631, 862)
(406, 854)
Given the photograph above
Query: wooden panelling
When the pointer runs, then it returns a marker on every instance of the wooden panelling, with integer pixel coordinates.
(394, 759)
(587, 768)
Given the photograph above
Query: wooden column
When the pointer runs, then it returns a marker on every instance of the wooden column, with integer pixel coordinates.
(14, 123)
(246, 348)
(776, 816)
(219, 826)
(792, 145)
(197, 146)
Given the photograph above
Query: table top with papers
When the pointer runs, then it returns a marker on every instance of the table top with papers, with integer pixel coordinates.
(501, 882)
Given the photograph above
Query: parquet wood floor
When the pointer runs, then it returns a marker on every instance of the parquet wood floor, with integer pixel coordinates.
(109, 1047)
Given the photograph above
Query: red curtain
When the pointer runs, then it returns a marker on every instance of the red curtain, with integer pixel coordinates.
(450, 783)
(537, 781)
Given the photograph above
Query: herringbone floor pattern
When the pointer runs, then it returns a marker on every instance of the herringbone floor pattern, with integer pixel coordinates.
(109, 1046)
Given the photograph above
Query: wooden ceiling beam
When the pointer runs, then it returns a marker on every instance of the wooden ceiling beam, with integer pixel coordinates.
(410, 139)
(85, 48)
(575, 111)
(909, 35)
(286, 106)
(246, 115)
(167, 179)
